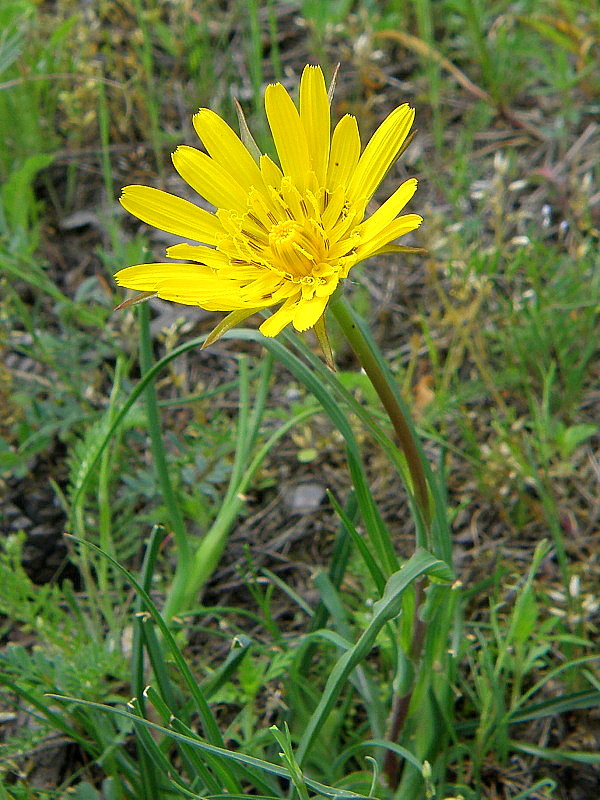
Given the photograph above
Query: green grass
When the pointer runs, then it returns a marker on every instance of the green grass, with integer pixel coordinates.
(279, 672)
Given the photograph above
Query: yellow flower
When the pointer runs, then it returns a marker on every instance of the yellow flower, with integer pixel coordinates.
(280, 234)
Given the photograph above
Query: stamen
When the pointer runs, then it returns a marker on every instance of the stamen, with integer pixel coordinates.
(257, 221)
(301, 251)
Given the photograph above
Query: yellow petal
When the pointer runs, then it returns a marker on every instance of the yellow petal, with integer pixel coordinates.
(344, 234)
(308, 312)
(380, 153)
(288, 134)
(190, 284)
(261, 288)
(315, 118)
(271, 173)
(345, 152)
(210, 301)
(172, 214)
(209, 179)
(285, 290)
(293, 199)
(148, 277)
(225, 147)
(333, 209)
(399, 227)
(389, 210)
(277, 321)
(328, 288)
(261, 210)
(202, 255)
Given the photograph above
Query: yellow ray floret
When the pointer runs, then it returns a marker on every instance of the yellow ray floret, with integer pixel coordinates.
(282, 234)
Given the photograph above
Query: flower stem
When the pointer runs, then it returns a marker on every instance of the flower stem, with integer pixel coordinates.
(381, 380)
(382, 385)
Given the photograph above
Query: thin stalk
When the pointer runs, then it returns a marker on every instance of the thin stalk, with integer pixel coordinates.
(243, 440)
(379, 379)
(381, 383)
(401, 701)
(184, 554)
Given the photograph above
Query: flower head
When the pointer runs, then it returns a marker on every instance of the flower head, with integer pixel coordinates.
(282, 234)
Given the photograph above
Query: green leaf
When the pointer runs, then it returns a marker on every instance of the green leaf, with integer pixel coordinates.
(199, 744)
(569, 439)
(17, 193)
(232, 320)
(579, 756)
(384, 610)
(245, 135)
(84, 791)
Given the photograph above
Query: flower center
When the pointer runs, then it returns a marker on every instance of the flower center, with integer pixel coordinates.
(295, 249)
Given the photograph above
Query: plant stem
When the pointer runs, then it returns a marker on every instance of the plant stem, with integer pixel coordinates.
(401, 702)
(381, 384)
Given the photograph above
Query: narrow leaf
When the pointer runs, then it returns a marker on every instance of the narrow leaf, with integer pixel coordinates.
(245, 135)
(384, 610)
(134, 301)
(226, 324)
(331, 89)
(324, 343)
